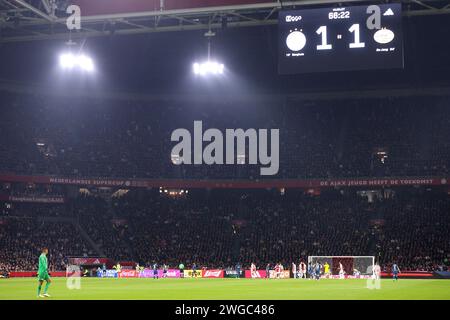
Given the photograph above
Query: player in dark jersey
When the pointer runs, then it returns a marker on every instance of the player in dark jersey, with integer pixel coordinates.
(194, 271)
(318, 268)
(395, 272)
(310, 271)
(155, 271)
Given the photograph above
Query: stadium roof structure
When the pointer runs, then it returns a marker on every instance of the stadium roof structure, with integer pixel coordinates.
(28, 20)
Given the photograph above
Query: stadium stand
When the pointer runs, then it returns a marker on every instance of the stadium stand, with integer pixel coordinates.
(21, 238)
(389, 137)
(321, 139)
(216, 229)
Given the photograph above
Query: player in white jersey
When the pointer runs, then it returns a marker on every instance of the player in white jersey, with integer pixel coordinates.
(302, 270)
(253, 271)
(294, 270)
(278, 268)
(376, 271)
(341, 271)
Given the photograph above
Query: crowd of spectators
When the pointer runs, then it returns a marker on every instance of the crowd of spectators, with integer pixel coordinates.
(185, 229)
(292, 227)
(416, 233)
(219, 228)
(83, 137)
(94, 217)
(23, 238)
(86, 137)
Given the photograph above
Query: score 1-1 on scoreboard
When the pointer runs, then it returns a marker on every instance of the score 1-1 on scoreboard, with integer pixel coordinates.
(341, 39)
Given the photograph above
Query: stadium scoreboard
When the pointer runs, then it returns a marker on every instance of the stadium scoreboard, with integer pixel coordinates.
(340, 39)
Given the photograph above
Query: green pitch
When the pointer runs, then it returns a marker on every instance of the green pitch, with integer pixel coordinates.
(225, 289)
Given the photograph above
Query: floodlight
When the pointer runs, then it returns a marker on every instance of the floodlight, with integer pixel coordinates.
(71, 61)
(208, 67)
(85, 63)
(67, 61)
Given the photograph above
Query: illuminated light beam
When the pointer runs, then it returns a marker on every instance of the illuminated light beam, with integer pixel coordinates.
(208, 68)
(70, 61)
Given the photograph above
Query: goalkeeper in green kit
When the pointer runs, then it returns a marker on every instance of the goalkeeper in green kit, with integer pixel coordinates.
(43, 274)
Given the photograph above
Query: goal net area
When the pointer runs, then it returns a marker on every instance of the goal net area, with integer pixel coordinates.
(352, 266)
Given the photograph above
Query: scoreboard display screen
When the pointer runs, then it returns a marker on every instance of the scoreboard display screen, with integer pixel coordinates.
(340, 39)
